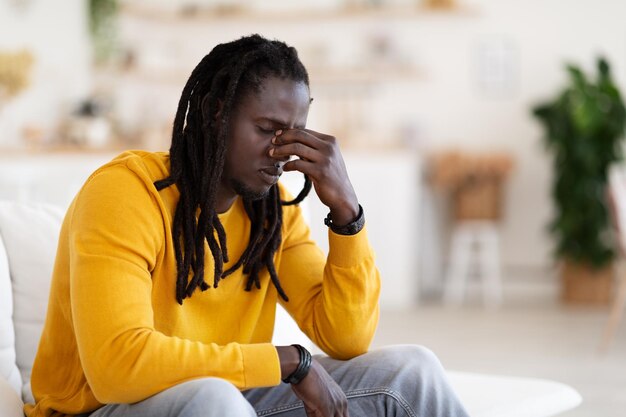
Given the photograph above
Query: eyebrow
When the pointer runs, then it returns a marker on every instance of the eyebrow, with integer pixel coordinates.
(280, 123)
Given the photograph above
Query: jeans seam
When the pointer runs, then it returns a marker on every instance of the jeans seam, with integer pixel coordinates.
(349, 394)
(282, 408)
(384, 391)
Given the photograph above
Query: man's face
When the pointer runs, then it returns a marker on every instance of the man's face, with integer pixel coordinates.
(249, 171)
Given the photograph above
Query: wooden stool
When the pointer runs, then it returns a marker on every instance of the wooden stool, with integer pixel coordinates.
(475, 243)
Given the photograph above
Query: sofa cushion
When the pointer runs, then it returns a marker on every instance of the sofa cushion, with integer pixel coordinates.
(8, 367)
(10, 403)
(30, 235)
(504, 396)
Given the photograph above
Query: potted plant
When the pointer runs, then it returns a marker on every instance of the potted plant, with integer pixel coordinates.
(584, 126)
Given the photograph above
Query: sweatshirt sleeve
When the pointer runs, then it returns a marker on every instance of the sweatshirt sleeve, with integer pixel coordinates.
(116, 235)
(333, 299)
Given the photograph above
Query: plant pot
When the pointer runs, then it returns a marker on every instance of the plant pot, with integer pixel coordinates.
(583, 285)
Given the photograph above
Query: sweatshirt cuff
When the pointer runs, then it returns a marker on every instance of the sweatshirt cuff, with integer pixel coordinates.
(348, 250)
(261, 367)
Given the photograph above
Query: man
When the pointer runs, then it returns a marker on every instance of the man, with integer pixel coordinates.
(135, 329)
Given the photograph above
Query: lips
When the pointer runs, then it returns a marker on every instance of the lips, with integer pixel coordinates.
(276, 172)
(271, 174)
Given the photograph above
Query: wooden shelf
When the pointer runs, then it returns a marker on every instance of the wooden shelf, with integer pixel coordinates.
(365, 75)
(319, 76)
(60, 150)
(228, 15)
(176, 16)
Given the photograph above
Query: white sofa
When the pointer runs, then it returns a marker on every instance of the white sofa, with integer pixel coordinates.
(28, 238)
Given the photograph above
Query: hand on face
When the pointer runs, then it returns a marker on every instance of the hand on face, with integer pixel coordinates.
(321, 395)
(319, 157)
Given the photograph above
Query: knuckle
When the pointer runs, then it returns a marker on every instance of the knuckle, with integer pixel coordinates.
(330, 148)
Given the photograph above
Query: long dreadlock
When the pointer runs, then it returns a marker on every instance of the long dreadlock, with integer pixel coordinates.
(197, 155)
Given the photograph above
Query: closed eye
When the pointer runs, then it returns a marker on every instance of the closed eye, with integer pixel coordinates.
(266, 131)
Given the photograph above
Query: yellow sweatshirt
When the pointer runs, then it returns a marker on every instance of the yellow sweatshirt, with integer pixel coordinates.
(114, 332)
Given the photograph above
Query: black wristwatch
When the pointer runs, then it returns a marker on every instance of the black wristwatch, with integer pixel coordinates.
(349, 229)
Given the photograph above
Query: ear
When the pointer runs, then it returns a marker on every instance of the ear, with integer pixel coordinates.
(205, 108)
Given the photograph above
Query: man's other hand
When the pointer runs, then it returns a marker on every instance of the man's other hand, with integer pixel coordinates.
(321, 395)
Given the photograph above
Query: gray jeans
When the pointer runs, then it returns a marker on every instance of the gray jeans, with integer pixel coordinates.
(393, 381)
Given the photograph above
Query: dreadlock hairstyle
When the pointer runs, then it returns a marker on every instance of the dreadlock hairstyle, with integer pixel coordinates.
(197, 155)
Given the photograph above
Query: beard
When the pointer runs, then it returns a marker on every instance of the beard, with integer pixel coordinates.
(248, 193)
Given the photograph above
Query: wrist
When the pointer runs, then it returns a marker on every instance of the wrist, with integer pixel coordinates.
(289, 358)
(302, 370)
(352, 227)
(344, 214)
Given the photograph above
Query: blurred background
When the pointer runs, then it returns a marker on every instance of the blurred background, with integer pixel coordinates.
(448, 114)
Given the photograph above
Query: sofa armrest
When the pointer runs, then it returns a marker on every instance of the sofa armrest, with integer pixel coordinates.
(10, 402)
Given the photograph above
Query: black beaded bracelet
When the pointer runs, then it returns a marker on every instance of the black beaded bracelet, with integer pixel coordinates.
(349, 229)
(303, 366)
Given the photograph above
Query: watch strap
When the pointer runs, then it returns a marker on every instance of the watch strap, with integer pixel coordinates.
(351, 228)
